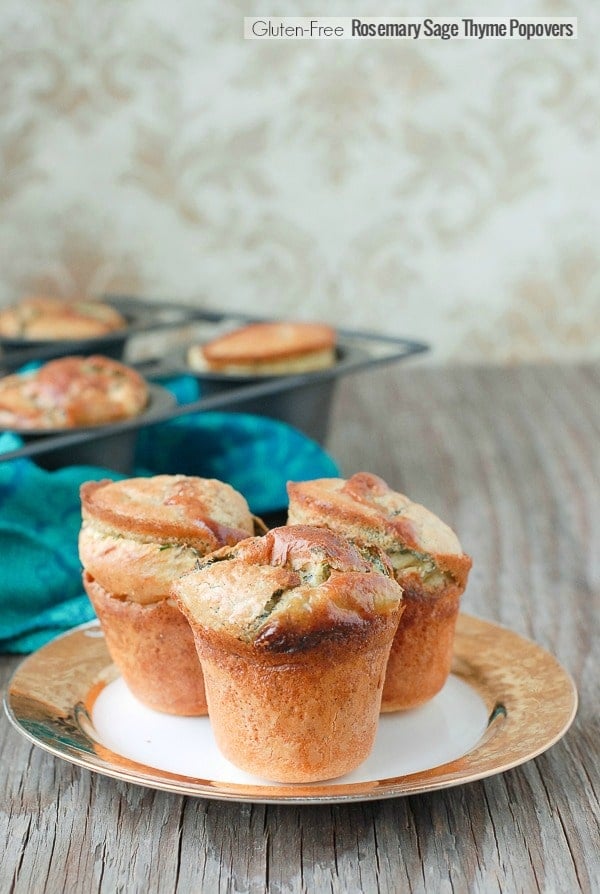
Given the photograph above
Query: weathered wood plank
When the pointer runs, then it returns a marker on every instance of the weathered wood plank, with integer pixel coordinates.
(510, 458)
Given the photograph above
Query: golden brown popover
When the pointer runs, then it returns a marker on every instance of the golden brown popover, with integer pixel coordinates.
(139, 535)
(428, 563)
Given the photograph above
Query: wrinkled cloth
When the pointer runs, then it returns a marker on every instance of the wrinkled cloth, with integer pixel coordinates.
(41, 594)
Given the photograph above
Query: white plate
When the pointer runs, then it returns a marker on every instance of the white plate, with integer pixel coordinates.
(506, 701)
(407, 742)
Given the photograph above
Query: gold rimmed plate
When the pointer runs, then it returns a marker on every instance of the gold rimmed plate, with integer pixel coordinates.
(507, 701)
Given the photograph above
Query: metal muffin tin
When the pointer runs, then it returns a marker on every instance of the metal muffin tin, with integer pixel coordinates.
(301, 400)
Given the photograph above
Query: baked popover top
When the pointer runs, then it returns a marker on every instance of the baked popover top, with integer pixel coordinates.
(201, 512)
(290, 589)
(366, 509)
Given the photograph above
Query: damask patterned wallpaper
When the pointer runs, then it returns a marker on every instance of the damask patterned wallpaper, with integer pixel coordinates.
(442, 190)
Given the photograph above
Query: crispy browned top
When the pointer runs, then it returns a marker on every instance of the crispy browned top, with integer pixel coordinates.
(200, 512)
(292, 588)
(72, 392)
(366, 508)
(41, 317)
(268, 341)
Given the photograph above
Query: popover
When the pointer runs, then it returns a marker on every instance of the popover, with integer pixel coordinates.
(428, 563)
(139, 535)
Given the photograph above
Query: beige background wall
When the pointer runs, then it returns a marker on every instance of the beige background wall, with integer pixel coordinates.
(446, 191)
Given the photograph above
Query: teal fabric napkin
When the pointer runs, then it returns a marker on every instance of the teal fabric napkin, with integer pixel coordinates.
(40, 516)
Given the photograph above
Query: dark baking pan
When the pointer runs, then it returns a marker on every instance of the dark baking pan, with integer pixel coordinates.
(302, 400)
(39, 445)
(304, 403)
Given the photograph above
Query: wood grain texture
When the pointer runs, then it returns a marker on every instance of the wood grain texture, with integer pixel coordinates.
(510, 458)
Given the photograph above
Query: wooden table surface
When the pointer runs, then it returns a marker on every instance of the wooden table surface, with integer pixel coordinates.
(511, 459)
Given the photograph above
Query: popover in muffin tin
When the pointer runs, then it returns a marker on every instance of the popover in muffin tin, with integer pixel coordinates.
(44, 318)
(71, 392)
(267, 349)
